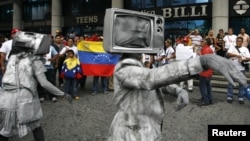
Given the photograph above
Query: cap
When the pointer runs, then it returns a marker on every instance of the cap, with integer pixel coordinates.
(185, 39)
(14, 30)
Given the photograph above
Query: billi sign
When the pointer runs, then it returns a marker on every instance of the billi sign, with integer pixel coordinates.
(186, 11)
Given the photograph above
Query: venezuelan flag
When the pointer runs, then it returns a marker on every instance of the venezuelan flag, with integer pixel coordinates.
(94, 60)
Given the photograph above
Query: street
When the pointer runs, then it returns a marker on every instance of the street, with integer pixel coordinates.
(89, 118)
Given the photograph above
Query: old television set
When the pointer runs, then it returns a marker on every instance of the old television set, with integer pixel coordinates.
(128, 31)
(35, 42)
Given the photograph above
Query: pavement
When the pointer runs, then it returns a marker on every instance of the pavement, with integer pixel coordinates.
(89, 118)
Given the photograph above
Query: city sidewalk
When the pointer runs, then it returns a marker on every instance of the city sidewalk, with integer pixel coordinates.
(89, 118)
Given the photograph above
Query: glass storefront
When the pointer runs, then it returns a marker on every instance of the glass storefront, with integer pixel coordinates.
(36, 9)
(174, 29)
(181, 16)
(138, 4)
(84, 17)
(37, 16)
(6, 12)
(238, 23)
(239, 12)
(6, 18)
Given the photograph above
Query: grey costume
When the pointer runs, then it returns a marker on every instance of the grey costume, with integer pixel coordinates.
(139, 97)
(20, 109)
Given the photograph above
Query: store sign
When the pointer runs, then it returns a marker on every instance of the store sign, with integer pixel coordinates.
(241, 7)
(83, 20)
(181, 12)
(86, 19)
(37, 23)
(202, 10)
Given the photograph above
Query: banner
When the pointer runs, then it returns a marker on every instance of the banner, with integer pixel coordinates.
(94, 60)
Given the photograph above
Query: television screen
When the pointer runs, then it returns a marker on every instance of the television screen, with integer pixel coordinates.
(127, 31)
(132, 31)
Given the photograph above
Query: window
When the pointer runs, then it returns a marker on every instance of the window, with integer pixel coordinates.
(147, 3)
(85, 7)
(238, 23)
(138, 4)
(6, 12)
(174, 29)
(36, 9)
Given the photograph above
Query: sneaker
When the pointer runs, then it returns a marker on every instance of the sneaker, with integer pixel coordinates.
(203, 104)
(241, 100)
(42, 99)
(77, 98)
(94, 93)
(190, 89)
(54, 99)
(211, 102)
(229, 100)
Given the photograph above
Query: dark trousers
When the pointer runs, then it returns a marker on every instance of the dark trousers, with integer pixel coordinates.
(71, 86)
(82, 81)
(51, 77)
(205, 89)
(104, 83)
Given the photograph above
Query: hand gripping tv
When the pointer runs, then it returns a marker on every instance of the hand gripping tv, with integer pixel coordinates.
(127, 31)
(36, 43)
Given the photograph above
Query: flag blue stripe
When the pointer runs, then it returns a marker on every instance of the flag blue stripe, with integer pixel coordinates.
(98, 58)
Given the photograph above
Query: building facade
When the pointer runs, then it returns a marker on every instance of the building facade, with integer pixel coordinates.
(86, 16)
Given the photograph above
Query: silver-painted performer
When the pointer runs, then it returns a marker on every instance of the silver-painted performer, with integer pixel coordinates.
(138, 90)
(20, 109)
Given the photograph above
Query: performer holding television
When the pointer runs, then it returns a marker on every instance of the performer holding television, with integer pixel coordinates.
(138, 90)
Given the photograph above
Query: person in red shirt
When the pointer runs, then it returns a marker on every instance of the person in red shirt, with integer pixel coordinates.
(205, 76)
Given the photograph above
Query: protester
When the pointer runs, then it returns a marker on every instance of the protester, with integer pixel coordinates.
(58, 45)
(219, 43)
(5, 50)
(170, 52)
(237, 55)
(180, 48)
(195, 37)
(205, 76)
(229, 39)
(72, 73)
(104, 84)
(50, 74)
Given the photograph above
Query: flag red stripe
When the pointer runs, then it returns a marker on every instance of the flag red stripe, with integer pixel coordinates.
(98, 69)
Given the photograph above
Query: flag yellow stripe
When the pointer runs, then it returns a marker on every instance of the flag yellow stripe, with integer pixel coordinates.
(91, 46)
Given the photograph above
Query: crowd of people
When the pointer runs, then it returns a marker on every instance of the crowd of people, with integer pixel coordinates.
(225, 44)
(62, 63)
(58, 61)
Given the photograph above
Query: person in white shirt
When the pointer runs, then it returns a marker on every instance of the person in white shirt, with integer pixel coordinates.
(229, 39)
(170, 52)
(5, 49)
(70, 46)
(245, 37)
(183, 52)
(237, 54)
(159, 58)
